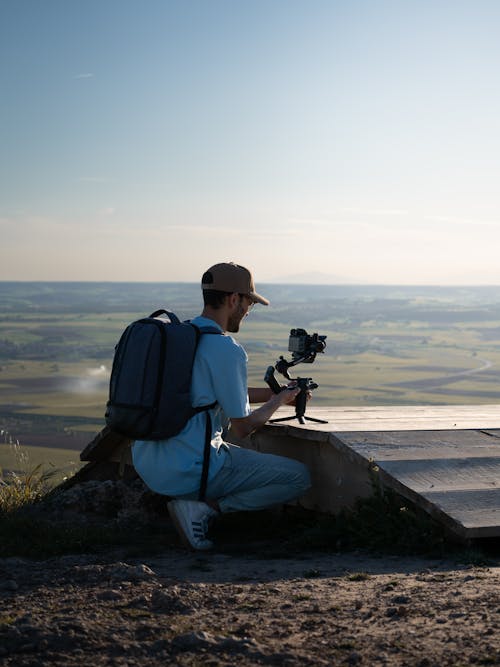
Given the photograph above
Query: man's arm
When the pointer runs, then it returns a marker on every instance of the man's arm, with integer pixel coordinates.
(243, 426)
(259, 394)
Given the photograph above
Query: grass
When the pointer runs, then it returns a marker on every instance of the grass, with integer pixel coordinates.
(24, 531)
(381, 524)
(25, 485)
(19, 490)
(65, 461)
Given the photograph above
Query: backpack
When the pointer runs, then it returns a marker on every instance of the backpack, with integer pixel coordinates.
(149, 388)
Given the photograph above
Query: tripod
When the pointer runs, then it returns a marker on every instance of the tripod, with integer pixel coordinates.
(304, 385)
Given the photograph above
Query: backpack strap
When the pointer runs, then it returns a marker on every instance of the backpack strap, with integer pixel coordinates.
(208, 424)
(206, 329)
(171, 316)
(206, 457)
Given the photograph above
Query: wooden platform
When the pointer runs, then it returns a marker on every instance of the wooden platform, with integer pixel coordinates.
(446, 459)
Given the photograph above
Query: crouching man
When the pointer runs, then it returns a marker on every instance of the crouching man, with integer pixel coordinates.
(239, 479)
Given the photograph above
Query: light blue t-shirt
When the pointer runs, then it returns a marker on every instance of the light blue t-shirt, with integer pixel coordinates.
(173, 467)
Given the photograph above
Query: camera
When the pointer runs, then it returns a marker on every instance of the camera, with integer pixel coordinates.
(304, 348)
(301, 344)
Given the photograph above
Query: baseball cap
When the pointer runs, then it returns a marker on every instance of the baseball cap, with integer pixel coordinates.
(231, 277)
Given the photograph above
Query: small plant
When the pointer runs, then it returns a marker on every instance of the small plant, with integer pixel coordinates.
(381, 523)
(358, 576)
(23, 487)
(313, 573)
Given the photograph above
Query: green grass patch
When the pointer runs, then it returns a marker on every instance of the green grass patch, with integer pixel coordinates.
(378, 525)
(24, 484)
(358, 576)
(382, 523)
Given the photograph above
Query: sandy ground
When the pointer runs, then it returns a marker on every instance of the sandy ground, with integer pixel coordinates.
(223, 609)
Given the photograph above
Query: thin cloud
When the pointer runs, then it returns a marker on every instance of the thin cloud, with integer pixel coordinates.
(218, 230)
(376, 211)
(461, 221)
(84, 75)
(324, 223)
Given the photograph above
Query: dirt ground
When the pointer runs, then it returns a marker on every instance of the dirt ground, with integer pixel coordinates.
(216, 609)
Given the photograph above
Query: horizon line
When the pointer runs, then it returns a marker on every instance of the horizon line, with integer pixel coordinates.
(261, 282)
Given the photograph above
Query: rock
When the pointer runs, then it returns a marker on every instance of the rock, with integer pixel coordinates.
(109, 595)
(127, 502)
(170, 601)
(193, 640)
(197, 640)
(396, 612)
(125, 572)
(400, 599)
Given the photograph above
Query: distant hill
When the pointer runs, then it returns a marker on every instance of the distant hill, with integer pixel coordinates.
(312, 278)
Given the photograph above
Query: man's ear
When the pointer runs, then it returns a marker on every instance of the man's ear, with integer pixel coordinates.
(233, 300)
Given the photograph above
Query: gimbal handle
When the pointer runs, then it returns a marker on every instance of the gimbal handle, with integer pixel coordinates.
(271, 380)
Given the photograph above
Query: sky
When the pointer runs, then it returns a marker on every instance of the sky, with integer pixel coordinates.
(349, 141)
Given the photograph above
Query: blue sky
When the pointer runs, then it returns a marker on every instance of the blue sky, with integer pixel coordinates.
(351, 141)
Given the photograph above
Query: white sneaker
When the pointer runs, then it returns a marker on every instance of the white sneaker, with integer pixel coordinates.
(191, 517)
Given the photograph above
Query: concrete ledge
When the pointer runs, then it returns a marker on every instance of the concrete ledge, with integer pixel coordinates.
(339, 476)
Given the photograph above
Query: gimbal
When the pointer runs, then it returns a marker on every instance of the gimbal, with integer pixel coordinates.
(304, 349)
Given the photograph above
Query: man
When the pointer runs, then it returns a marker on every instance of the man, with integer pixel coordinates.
(238, 478)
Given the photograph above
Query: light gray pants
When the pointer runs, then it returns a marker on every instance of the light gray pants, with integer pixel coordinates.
(251, 480)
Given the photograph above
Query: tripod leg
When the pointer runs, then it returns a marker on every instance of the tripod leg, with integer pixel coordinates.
(301, 419)
(282, 419)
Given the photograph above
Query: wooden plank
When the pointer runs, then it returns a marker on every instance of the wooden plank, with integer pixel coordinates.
(453, 475)
(397, 418)
(427, 445)
(477, 511)
(446, 474)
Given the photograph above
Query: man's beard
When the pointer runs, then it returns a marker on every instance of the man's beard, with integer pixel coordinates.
(233, 323)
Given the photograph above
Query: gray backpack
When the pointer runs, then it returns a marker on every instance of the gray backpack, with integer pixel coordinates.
(149, 389)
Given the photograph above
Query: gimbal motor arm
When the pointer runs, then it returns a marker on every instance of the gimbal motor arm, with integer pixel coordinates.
(282, 365)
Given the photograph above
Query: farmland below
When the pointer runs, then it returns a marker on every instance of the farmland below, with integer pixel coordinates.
(386, 345)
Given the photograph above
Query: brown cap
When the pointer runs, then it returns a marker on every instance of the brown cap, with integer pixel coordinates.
(230, 277)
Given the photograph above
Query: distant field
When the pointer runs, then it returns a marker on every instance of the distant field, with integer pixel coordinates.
(385, 345)
(60, 462)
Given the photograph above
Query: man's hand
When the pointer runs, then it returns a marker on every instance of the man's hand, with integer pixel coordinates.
(292, 385)
(288, 394)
